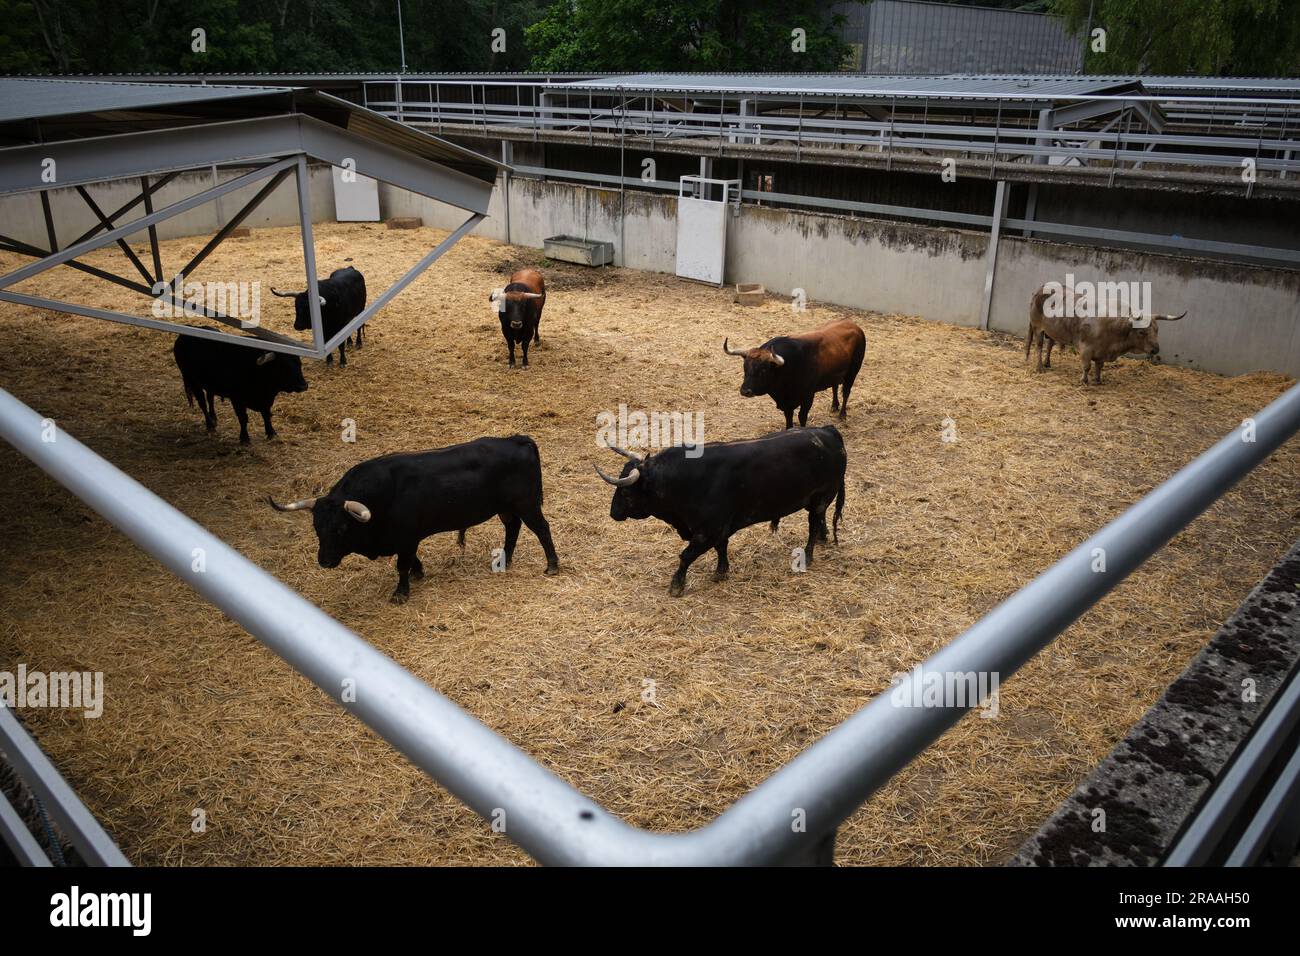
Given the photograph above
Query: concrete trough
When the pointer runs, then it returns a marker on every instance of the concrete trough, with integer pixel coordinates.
(750, 293)
(584, 252)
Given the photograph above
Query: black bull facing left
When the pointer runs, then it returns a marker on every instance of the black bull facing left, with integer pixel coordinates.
(732, 485)
(388, 505)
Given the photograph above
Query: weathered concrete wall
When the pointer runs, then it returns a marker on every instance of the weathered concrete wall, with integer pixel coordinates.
(22, 218)
(865, 263)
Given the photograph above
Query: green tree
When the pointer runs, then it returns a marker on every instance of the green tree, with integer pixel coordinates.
(611, 35)
(1205, 37)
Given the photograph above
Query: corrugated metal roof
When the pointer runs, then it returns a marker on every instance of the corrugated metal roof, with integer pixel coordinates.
(865, 85)
(31, 98)
(75, 109)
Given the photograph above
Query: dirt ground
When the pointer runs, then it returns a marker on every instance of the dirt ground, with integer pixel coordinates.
(746, 672)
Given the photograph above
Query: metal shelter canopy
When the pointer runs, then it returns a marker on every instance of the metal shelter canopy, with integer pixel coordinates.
(59, 133)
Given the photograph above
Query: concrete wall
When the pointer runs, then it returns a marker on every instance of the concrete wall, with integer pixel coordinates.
(23, 219)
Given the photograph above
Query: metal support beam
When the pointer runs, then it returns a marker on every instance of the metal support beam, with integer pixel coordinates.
(147, 197)
(309, 256)
(403, 282)
(991, 257)
(175, 209)
(107, 223)
(77, 823)
(19, 839)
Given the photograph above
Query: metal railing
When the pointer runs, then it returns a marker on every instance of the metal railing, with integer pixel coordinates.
(1207, 135)
(542, 813)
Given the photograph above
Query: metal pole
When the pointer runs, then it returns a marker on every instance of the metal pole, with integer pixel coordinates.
(309, 257)
(995, 233)
(401, 36)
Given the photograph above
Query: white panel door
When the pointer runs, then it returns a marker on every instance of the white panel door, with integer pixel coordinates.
(355, 201)
(701, 239)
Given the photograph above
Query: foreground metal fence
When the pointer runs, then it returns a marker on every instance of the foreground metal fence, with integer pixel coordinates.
(793, 815)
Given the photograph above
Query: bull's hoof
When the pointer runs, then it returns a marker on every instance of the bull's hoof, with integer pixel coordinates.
(719, 577)
(417, 573)
(552, 570)
(400, 597)
(844, 415)
(676, 588)
(245, 440)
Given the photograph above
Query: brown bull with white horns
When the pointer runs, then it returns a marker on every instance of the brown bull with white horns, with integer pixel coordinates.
(1098, 338)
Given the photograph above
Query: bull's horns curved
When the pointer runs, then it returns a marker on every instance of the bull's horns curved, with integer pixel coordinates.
(265, 357)
(731, 351)
(306, 504)
(776, 358)
(283, 295)
(1171, 318)
(357, 510)
(632, 477)
(626, 454)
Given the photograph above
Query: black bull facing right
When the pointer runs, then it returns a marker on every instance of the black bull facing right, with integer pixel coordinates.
(733, 485)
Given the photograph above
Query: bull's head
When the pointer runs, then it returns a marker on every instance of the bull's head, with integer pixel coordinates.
(514, 305)
(1144, 334)
(632, 497)
(762, 369)
(301, 307)
(281, 372)
(337, 523)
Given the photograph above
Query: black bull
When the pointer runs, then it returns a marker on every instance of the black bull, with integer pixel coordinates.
(732, 485)
(342, 299)
(388, 505)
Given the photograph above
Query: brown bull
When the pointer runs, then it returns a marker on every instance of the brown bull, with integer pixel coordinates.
(794, 368)
(1098, 339)
(519, 306)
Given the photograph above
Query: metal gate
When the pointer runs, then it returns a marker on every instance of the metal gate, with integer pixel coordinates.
(702, 227)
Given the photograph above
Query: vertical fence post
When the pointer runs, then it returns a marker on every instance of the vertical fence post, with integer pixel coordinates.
(999, 213)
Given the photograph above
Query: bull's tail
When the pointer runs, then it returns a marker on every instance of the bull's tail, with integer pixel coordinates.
(189, 389)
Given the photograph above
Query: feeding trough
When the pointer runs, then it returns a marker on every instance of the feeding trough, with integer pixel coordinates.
(750, 293)
(585, 252)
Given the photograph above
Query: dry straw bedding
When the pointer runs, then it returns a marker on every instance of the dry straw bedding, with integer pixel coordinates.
(747, 672)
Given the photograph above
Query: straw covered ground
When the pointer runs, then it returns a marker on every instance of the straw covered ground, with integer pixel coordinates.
(746, 673)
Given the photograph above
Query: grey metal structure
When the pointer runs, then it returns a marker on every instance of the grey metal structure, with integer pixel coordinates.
(98, 131)
(789, 818)
(74, 820)
(910, 36)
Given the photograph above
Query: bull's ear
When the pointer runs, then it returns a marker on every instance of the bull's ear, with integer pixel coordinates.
(1142, 321)
(265, 357)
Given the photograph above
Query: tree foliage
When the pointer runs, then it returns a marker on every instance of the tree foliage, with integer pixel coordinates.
(273, 36)
(611, 35)
(1205, 37)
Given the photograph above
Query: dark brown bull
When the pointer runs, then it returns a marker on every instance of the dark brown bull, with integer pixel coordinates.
(519, 305)
(794, 368)
(1098, 339)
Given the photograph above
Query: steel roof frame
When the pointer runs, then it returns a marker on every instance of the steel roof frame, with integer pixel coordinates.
(276, 146)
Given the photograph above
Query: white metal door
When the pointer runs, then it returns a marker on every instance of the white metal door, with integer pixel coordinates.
(702, 228)
(356, 198)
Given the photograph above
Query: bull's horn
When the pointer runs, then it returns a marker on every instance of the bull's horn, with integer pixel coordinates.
(306, 504)
(283, 295)
(533, 295)
(776, 358)
(1171, 318)
(626, 454)
(731, 351)
(357, 510)
(322, 299)
(631, 478)
(265, 357)
(496, 294)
